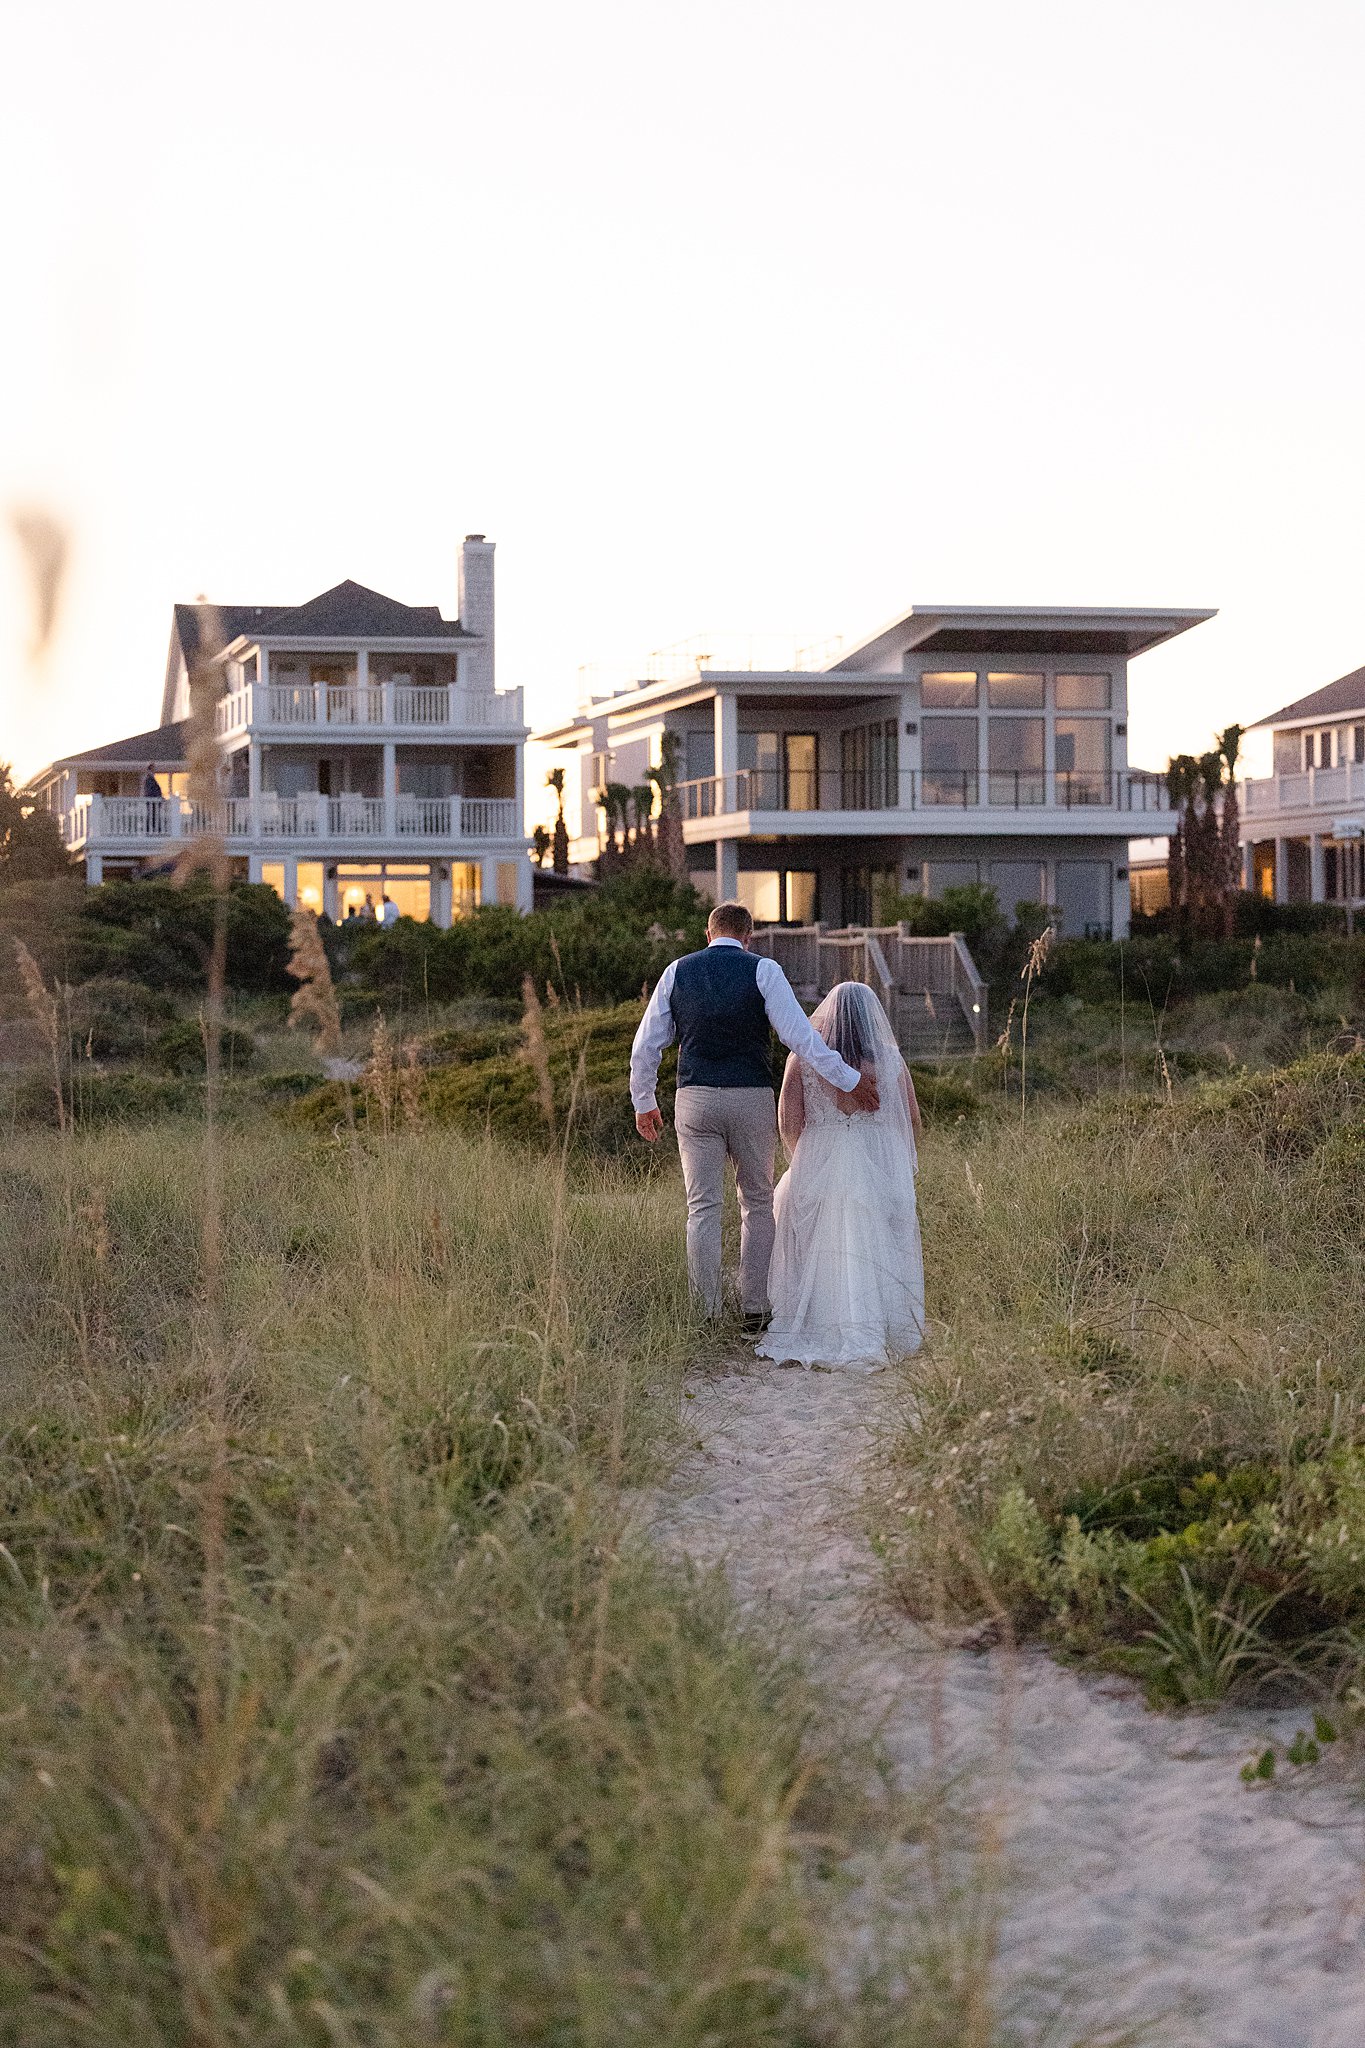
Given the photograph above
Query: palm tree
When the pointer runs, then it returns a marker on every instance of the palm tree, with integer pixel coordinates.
(1229, 747)
(642, 800)
(560, 862)
(541, 843)
(665, 779)
(617, 796)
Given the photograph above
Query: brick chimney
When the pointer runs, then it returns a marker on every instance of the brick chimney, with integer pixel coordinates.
(476, 608)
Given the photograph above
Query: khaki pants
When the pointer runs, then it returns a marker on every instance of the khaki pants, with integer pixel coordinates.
(713, 1125)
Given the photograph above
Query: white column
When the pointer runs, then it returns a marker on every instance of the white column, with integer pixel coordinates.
(727, 744)
(727, 870)
(1317, 887)
(330, 901)
(908, 753)
(253, 867)
(1121, 909)
(291, 880)
(440, 894)
(1281, 870)
(94, 869)
(488, 882)
(525, 886)
(362, 685)
(1248, 866)
(254, 761)
(390, 789)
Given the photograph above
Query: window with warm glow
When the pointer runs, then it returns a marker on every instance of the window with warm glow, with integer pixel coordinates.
(309, 886)
(272, 874)
(466, 887)
(948, 691)
(1011, 692)
(1083, 693)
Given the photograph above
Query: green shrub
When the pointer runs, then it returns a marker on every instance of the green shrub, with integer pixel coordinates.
(152, 932)
(181, 1049)
(111, 1017)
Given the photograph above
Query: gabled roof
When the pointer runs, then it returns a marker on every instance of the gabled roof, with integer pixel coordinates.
(204, 630)
(350, 611)
(164, 744)
(1345, 695)
(1041, 629)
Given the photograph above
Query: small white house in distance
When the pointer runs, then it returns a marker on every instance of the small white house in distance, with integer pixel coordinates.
(1303, 825)
(363, 751)
(959, 744)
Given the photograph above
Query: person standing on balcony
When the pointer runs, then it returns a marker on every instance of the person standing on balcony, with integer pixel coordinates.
(719, 1006)
(151, 790)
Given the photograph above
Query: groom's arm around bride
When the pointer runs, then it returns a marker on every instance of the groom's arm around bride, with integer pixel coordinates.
(717, 1021)
(719, 1005)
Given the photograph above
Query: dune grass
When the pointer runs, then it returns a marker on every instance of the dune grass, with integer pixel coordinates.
(420, 1745)
(1138, 1425)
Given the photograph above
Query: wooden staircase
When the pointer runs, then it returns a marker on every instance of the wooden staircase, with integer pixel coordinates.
(930, 988)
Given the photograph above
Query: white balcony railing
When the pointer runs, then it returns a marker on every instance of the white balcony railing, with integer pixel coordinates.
(1326, 789)
(137, 823)
(803, 790)
(402, 707)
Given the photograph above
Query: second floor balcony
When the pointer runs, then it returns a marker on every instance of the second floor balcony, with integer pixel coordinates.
(1039, 793)
(147, 824)
(396, 707)
(1329, 790)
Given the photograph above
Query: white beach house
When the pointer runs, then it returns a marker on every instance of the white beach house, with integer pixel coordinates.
(364, 751)
(1303, 825)
(959, 744)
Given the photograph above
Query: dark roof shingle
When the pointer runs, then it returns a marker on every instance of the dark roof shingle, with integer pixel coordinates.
(350, 611)
(1346, 694)
(164, 744)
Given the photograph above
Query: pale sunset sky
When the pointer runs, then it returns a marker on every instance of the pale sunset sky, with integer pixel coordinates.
(738, 316)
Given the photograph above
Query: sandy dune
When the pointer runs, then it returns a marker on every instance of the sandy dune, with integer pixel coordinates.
(1144, 1882)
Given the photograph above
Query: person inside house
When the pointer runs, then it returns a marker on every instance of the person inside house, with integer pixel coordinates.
(367, 910)
(388, 911)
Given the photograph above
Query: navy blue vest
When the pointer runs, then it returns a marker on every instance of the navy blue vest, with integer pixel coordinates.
(720, 1020)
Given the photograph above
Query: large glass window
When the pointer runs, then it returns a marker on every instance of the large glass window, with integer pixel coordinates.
(1085, 898)
(1083, 693)
(950, 874)
(1081, 758)
(361, 890)
(760, 891)
(466, 886)
(309, 882)
(950, 762)
(272, 874)
(803, 896)
(1013, 692)
(801, 761)
(948, 690)
(1016, 882)
(758, 754)
(701, 754)
(1016, 761)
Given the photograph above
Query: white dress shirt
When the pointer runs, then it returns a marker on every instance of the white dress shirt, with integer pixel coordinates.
(785, 1014)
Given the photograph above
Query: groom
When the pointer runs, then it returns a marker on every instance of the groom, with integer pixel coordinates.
(718, 1005)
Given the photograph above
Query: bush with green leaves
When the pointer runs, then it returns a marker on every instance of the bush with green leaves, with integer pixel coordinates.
(1139, 1422)
(182, 1048)
(153, 932)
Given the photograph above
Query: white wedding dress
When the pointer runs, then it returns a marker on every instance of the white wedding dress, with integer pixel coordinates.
(847, 1275)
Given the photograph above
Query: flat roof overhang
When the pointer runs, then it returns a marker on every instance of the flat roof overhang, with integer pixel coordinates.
(1024, 629)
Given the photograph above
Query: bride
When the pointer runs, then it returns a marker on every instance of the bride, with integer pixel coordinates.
(847, 1278)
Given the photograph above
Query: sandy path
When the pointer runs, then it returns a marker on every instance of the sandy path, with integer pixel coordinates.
(1144, 1877)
